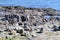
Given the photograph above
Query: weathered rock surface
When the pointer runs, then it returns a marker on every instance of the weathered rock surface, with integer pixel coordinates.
(33, 23)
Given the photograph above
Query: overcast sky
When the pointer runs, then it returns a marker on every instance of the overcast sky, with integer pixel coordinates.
(32, 3)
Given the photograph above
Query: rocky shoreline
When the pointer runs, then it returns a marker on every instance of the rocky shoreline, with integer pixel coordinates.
(31, 23)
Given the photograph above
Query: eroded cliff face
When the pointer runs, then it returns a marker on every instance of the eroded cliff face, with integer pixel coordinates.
(37, 23)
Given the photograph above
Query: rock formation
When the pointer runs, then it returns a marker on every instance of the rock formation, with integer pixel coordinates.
(36, 22)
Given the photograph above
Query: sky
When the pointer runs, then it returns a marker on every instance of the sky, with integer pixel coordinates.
(55, 4)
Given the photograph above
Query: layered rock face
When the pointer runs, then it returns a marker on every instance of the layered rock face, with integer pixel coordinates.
(38, 23)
